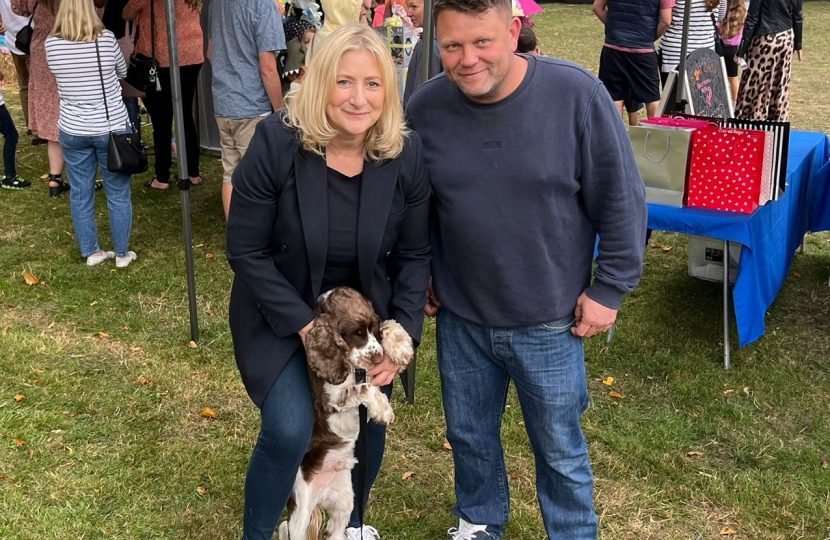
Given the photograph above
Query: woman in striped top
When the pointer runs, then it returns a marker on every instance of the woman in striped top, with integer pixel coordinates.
(87, 64)
(701, 33)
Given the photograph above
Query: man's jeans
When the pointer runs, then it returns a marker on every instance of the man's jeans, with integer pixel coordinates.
(546, 362)
(83, 154)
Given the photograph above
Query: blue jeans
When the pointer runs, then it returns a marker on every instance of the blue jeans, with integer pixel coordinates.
(287, 420)
(134, 112)
(546, 363)
(10, 144)
(83, 154)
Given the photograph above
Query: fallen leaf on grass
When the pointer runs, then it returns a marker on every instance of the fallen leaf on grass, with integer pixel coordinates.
(94, 303)
(407, 475)
(608, 381)
(767, 405)
(30, 279)
(103, 335)
(192, 345)
(694, 454)
(44, 177)
(5, 329)
(615, 395)
(201, 490)
(797, 275)
(746, 390)
(19, 443)
(207, 412)
(447, 446)
(658, 245)
(208, 256)
(824, 463)
(728, 531)
(31, 453)
(19, 397)
(142, 381)
(728, 391)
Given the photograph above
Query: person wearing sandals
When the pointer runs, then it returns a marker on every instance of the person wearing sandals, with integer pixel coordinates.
(87, 64)
(151, 14)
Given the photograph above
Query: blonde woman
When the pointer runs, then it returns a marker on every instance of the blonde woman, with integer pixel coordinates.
(333, 191)
(87, 63)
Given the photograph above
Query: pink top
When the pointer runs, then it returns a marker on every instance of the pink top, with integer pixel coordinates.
(733, 41)
(188, 31)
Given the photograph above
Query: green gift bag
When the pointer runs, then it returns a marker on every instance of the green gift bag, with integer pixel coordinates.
(662, 154)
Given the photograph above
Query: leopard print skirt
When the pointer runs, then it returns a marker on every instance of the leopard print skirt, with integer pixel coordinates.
(764, 93)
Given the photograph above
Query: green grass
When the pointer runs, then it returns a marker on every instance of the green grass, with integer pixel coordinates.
(116, 448)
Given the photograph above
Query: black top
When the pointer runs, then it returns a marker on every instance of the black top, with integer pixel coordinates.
(112, 19)
(341, 257)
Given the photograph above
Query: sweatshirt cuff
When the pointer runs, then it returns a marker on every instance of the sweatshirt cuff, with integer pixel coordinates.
(605, 295)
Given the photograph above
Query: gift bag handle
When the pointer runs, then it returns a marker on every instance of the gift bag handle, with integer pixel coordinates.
(645, 149)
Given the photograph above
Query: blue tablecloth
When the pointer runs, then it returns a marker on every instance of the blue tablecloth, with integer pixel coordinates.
(820, 200)
(770, 235)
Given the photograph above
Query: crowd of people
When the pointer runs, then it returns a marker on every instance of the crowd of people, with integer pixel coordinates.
(440, 204)
(760, 35)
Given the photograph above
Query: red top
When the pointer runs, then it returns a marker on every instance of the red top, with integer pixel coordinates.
(188, 31)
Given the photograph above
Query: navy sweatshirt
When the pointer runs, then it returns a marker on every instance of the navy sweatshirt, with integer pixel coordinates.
(521, 189)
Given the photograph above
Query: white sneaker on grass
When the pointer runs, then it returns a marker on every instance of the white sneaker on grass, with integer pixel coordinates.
(369, 533)
(123, 262)
(468, 531)
(98, 258)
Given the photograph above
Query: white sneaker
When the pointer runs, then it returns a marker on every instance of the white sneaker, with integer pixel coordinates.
(123, 262)
(468, 531)
(369, 533)
(98, 258)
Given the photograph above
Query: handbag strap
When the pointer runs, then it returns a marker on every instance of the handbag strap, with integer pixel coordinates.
(33, 14)
(103, 90)
(153, 31)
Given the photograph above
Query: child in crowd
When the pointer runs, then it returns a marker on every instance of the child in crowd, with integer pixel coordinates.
(528, 42)
(9, 131)
(731, 31)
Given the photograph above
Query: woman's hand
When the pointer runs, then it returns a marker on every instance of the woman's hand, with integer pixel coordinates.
(383, 373)
(305, 330)
(799, 55)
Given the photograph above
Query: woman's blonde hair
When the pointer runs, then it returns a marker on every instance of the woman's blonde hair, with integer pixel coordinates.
(306, 105)
(77, 20)
(734, 19)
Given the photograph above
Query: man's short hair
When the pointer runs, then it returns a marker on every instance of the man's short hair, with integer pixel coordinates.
(527, 41)
(471, 7)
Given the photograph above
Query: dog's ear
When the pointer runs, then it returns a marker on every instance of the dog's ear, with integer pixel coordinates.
(397, 343)
(326, 351)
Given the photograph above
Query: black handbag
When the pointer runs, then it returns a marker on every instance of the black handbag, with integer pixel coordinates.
(125, 151)
(142, 70)
(23, 41)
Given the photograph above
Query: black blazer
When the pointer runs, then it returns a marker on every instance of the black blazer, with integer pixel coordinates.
(277, 242)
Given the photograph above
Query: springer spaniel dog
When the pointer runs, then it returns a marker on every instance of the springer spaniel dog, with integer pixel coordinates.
(347, 335)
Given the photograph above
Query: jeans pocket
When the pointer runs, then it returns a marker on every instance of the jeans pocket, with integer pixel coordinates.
(558, 326)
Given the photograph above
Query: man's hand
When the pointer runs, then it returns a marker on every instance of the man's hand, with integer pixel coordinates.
(591, 317)
(433, 305)
(383, 373)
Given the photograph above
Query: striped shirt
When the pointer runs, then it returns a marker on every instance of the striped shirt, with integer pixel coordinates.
(75, 66)
(701, 33)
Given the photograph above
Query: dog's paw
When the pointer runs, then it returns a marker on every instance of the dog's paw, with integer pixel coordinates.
(396, 343)
(383, 415)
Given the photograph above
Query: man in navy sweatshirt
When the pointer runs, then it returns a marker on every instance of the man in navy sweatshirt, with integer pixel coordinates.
(529, 163)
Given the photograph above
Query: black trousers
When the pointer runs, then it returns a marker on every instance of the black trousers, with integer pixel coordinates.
(160, 107)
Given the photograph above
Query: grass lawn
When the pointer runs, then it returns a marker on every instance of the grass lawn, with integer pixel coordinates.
(102, 436)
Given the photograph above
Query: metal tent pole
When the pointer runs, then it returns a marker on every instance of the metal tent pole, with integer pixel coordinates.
(680, 92)
(726, 351)
(428, 34)
(184, 182)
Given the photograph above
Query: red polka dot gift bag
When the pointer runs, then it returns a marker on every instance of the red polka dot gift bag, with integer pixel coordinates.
(727, 169)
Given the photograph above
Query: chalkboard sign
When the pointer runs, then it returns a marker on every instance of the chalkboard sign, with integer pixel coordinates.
(708, 85)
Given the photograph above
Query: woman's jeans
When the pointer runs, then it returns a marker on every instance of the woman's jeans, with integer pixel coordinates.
(10, 143)
(83, 154)
(546, 363)
(160, 106)
(287, 420)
